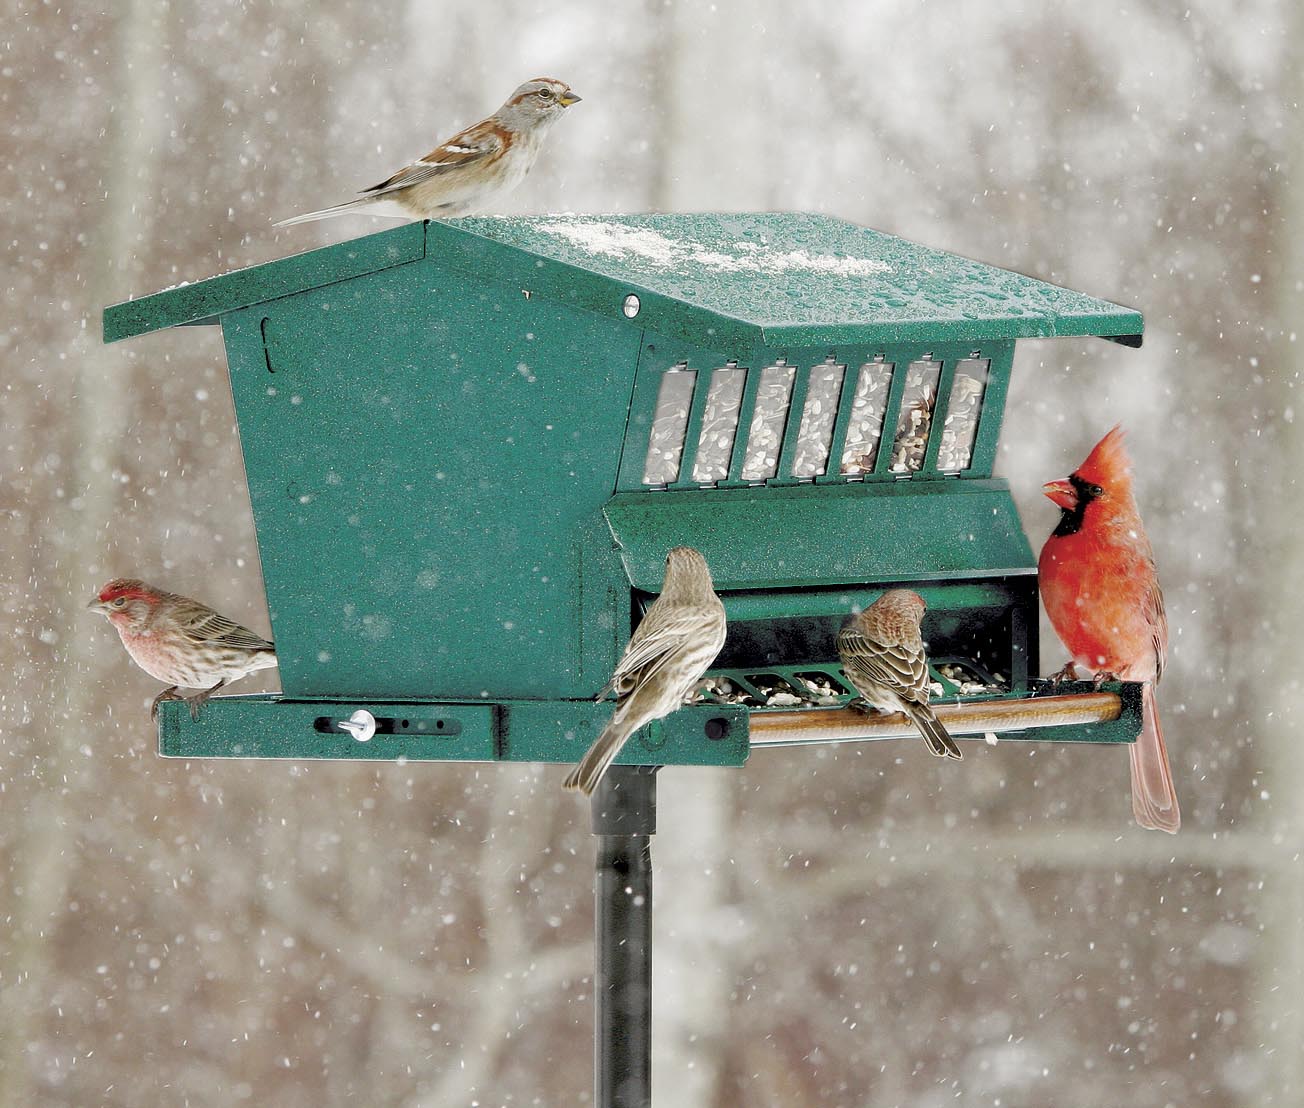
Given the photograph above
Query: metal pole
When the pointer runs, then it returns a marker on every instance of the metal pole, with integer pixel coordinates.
(624, 819)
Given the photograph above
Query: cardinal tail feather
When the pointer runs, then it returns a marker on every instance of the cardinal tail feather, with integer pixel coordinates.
(1154, 798)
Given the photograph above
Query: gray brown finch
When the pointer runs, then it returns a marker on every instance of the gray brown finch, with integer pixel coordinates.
(180, 641)
(669, 652)
(1101, 591)
(882, 655)
(462, 174)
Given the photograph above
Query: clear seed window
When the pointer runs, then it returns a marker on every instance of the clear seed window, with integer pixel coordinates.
(669, 424)
(868, 408)
(768, 422)
(786, 422)
(916, 418)
(719, 425)
(962, 412)
(815, 440)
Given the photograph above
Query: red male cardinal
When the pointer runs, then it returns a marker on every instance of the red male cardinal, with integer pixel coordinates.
(1101, 592)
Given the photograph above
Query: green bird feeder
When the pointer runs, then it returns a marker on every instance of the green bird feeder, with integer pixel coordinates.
(470, 445)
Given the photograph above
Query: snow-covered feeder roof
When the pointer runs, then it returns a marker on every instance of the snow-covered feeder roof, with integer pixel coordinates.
(767, 279)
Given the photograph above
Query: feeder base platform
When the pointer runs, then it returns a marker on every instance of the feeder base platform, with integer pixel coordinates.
(270, 726)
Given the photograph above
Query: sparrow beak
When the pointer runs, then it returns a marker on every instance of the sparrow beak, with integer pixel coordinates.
(1063, 493)
(567, 98)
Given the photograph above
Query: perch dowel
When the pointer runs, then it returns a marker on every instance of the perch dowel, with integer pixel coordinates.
(971, 718)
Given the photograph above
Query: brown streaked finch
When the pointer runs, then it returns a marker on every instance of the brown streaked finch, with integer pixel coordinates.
(1101, 591)
(668, 654)
(882, 655)
(180, 641)
(460, 175)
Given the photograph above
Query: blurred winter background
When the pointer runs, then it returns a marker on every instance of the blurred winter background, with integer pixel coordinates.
(854, 926)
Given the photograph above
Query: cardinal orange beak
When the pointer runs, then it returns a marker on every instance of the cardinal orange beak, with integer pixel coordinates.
(1063, 493)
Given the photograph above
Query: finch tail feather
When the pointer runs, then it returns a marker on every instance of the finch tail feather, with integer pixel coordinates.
(939, 742)
(1154, 798)
(599, 756)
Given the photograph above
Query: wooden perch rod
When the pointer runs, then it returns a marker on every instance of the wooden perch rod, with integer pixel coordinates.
(975, 717)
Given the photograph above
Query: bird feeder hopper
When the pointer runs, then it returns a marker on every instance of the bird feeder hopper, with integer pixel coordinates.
(470, 444)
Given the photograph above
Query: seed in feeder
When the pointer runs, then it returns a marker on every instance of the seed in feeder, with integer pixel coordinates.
(815, 436)
(967, 682)
(960, 427)
(868, 408)
(719, 425)
(918, 401)
(669, 426)
(768, 421)
(821, 690)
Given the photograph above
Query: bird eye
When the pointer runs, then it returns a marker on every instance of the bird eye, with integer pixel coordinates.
(1095, 490)
(545, 94)
(119, 601)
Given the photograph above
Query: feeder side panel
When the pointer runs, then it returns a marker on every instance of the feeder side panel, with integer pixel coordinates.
(423, 453)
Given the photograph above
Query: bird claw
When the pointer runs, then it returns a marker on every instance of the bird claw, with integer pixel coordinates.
(1068, 673)
(859, 704)
(198, 701)
(1102, 678)
(166, 694)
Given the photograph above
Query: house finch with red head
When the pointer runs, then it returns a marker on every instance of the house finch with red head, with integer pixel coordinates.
(670, 650)
(460, 175)
(883, 657)
(1100, 589)
(180, 641)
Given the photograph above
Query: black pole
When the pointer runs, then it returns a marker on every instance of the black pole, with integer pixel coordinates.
(624, 819)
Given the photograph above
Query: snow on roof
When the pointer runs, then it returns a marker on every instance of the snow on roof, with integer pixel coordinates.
(620, 240)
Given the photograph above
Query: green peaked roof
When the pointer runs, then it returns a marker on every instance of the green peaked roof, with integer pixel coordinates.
(759, 279)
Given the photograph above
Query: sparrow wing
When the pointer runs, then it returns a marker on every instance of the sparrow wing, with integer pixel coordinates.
(466, 147)
(655, 641)
(895, 666)
(205, 625)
